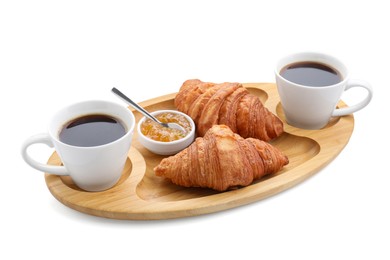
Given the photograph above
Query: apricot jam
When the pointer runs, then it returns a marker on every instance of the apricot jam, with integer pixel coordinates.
(160, 133)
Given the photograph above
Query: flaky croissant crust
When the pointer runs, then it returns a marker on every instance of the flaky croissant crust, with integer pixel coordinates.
(221, 160)
(230, 104)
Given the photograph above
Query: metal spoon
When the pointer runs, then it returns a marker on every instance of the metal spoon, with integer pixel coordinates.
(145, 113)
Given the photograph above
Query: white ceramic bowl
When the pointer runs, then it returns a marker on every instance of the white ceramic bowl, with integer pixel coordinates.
(166, 148)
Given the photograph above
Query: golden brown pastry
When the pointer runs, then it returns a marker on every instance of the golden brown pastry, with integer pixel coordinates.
(221, 160)
(227, 103)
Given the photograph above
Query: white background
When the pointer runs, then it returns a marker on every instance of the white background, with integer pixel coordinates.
(53, 53)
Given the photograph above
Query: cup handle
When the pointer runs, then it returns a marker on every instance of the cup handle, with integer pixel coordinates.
(45, 139)
(349, 110)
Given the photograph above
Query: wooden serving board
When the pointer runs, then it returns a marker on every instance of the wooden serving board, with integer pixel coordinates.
(140, 194)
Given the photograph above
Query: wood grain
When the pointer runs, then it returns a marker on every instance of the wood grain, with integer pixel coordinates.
(141, 195)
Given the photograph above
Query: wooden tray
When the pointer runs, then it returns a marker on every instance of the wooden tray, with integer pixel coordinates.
(139, 194)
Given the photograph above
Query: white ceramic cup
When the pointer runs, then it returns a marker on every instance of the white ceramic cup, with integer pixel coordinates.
(311, 107)
(93, 168)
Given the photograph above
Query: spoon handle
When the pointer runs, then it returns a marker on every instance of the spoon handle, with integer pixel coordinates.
(133, 104)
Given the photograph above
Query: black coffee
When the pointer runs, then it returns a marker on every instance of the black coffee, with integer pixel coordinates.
(311, 74)
(92, 130)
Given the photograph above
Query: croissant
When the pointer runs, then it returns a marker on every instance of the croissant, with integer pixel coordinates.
(221, 160)
(230, 104)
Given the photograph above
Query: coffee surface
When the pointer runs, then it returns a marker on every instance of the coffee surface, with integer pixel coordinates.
(311, 74)
(92, 130)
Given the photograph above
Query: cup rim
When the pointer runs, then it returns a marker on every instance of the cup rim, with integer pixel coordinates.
(55, 134)
(319, 57)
